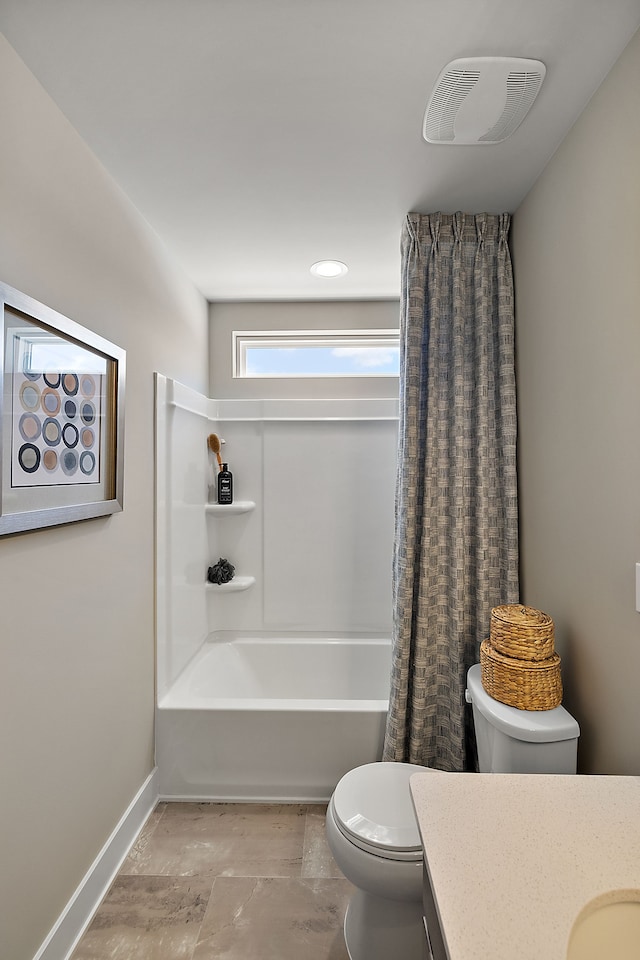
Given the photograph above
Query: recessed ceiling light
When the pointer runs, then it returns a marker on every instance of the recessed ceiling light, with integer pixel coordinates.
(329, 268)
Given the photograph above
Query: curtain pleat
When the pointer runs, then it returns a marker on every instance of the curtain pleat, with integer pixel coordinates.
(456, 527)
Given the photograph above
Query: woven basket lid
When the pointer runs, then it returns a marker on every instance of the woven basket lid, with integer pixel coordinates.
(518, 614)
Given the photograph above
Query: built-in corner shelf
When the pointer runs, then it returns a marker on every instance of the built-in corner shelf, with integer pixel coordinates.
(234, 586)
(230, 509)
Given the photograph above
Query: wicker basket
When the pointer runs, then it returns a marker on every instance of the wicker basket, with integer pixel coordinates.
(527, 685)
(522, 632)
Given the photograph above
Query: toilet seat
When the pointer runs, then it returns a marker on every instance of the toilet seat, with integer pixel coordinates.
(372, 808)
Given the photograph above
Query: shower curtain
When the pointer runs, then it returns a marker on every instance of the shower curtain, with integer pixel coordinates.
(456, 527)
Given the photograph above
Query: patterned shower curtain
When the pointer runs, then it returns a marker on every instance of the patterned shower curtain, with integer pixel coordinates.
(456, 533)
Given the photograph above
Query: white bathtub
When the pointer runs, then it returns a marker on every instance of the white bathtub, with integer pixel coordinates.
(265, 717)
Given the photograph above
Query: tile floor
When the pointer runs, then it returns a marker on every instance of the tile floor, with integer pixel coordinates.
(224, 881)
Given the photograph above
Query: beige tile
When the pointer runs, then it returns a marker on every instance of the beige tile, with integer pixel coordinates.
(147, 918)
(224, 839)
(143, 839)
(317, 860)
(274, 919)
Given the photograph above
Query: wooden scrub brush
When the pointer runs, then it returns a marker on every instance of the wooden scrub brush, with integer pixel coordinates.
(213, 442)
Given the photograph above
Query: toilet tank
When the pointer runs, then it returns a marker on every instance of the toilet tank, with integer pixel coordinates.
(520, 741)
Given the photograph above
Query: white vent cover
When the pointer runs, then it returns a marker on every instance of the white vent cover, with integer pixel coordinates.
(481, 99)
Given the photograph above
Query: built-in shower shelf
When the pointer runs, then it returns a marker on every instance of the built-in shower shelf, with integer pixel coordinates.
(230, 509)
(234, 586)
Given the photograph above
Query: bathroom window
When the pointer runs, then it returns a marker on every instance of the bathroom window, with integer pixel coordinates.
(316, 353)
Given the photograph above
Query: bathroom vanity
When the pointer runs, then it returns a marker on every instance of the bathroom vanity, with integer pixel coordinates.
(512, 860)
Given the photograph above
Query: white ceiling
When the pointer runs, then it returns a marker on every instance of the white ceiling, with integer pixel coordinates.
(257, 136)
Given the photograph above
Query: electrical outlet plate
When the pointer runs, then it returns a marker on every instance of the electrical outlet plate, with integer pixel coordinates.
(638, 587)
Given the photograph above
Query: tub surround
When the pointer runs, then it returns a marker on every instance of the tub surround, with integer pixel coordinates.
(271, 686)
(513, 859)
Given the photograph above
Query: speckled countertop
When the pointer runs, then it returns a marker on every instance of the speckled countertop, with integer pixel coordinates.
(513, 859)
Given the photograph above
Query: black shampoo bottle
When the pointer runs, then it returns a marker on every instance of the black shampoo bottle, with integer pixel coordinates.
(225, 485)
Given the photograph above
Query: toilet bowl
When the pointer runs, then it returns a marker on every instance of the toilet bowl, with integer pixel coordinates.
(373, 835)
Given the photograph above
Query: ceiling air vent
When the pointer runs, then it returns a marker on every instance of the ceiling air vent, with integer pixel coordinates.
(481, 99)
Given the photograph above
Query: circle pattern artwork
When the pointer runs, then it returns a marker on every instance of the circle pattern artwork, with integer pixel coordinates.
(70, 435)
(50, 401)
(87, 385)
(87, 462)
(70, 384)
(29, 457)
(50, 460)
(69, 462)
(51, 432)
(29, 396)
(56, 428)
(87, 438)
(88, 413)
(29, 427)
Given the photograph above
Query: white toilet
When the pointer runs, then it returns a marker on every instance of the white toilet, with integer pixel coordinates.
(373, 834)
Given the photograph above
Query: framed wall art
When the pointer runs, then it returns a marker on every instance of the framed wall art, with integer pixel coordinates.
(61, 418)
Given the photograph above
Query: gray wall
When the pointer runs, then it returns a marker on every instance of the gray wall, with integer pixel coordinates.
(576, 247)
(77, 639)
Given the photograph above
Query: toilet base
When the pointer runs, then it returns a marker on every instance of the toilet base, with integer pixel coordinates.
(379, 929)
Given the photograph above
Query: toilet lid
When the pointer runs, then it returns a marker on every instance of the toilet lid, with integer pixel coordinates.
(373, 805)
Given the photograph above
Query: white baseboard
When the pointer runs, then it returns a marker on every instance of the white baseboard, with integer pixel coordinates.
(242, 798)
(79, 911)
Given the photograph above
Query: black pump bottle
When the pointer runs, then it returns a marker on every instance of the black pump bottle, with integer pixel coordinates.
(225, 485)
